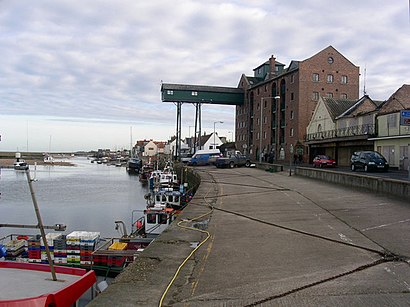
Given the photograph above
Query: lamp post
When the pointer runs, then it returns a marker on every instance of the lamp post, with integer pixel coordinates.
(290, 159)
(260, 132)
(214, 131)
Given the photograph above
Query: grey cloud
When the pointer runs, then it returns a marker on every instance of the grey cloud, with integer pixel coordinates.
(105, 59)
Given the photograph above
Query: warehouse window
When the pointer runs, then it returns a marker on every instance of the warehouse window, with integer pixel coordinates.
(329, 78)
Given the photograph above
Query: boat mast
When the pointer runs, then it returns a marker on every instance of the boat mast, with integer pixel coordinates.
(131, 155)
(41, 226)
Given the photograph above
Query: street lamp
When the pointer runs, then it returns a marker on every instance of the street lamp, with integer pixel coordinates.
(260, 133)
(214, 132)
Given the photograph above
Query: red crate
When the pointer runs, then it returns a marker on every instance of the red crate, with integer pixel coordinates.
(115, 261)
(34, 254)
(100, 260)
(85, 253)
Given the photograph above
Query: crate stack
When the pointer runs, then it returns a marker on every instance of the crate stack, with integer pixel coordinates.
(50, 237)
(60, 250)
(15, 248)
(34, 249)
(80, 245)
(73, 248)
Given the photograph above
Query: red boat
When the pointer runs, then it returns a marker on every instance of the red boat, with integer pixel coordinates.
(30, 284)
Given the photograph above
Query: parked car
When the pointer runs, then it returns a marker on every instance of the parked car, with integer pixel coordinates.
(323, 161)
(204, 157)
(232, 160)
(369, 161)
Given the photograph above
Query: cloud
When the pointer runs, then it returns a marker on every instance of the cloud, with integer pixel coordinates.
(105, 59)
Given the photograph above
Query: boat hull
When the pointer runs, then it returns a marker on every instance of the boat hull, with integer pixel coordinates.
(67, 294)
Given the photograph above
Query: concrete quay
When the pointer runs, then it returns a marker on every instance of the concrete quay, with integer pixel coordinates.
(274, 240)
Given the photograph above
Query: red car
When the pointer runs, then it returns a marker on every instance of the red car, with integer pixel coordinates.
(323, 161)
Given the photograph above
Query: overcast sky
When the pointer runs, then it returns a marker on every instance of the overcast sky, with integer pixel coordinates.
(81, 75)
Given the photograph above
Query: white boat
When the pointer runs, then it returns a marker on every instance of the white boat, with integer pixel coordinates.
(21, 165)
(48, 159)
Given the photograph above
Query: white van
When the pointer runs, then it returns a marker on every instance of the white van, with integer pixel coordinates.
(205, 157)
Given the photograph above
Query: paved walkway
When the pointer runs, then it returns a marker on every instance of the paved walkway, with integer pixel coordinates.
(275, 240)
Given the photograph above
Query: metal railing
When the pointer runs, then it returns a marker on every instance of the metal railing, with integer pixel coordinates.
(368, 129)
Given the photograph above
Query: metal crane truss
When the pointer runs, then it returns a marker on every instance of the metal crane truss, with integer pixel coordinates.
(202, 94)
(198, 94)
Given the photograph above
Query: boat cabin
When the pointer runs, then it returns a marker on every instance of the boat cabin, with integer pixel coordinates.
(168, 198)
(157, 219)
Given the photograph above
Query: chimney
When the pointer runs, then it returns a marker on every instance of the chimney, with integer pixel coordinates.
(272, 61)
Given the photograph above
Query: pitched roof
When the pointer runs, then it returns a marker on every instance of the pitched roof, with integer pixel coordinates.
(336, 107)
(361, 106)
(400, 100)
(204, 139)
(253, 80)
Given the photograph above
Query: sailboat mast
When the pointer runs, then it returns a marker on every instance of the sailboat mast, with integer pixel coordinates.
(131, 142)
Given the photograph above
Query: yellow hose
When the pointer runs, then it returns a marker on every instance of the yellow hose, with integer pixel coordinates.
(208, 235)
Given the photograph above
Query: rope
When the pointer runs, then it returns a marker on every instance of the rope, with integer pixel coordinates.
(208, 235)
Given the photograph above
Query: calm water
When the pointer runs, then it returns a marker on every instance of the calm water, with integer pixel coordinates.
(87, 197)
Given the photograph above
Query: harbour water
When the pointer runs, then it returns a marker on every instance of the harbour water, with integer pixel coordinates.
(87, 196)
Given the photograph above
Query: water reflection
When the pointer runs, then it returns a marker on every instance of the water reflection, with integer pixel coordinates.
(86, 197)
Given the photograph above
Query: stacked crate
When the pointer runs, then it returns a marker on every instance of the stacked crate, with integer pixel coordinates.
(15, 248)
(73, 248)
(80, 245)
(34, 249)
(60, 250)
(50, 237)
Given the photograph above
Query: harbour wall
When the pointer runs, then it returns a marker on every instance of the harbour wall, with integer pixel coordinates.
(393, 187)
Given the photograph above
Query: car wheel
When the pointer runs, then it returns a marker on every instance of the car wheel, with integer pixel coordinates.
(366, 168)
(231, 165)
(248, 163)
(353, 168)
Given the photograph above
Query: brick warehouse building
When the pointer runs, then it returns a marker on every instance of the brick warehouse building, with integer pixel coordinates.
(279, 102)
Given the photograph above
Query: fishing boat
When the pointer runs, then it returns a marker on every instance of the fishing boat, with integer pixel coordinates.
(165, 197)
(116, 254)
(154, 221)
(48, 159)
(145, 172)
(20, 165)
(134, 165)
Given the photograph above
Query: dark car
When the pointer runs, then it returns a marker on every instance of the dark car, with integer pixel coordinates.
(233, 160)
(323, 161)
(368, 161)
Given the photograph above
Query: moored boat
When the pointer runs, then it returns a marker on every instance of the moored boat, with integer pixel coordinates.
(134, 165)
(21, 165)
(145, 172)
(48, 159)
